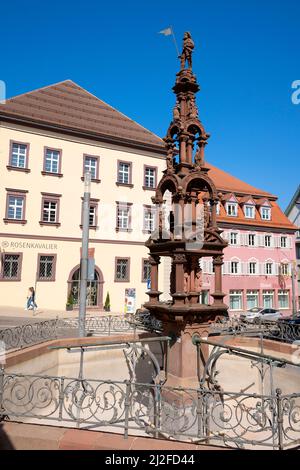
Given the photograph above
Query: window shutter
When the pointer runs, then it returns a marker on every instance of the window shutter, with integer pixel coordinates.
(242, 240)
(272, 241)
(276, 268)
(226, 267)
(289, 242)
(261, 240)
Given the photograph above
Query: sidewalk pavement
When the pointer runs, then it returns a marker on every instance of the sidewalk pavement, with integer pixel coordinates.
(44, 313)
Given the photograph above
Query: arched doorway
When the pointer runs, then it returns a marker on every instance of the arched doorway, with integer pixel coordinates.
(94, 288)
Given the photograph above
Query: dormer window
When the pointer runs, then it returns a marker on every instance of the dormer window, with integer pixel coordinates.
(232, 209)
(249, 211)
(265, 213)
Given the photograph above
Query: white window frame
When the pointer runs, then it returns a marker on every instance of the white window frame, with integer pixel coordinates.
(52, 158)
(123, 217)
(18, 154)
(286, 294)
(285, 244)
(149, 219)
(15, 206)
(250, 268)
(232, 209)
(254, 294)
(233, 238)
(124, 173)
(238, 294)
(269, 244)
(265, 213)
(49, 210)
(267, 268)
(236, 269)
(90, 164)
(150, 177)
(284, 269)
(254, 239)
(248, 207)
(270, 294)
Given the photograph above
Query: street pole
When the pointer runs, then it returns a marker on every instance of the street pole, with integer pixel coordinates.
(84, 252)
(293, 288)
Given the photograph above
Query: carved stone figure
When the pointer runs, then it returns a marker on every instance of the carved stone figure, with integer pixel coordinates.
(198, 280)
(186, 282)
(193, 111)
(199, 158)
(176, 113)
(188, 46)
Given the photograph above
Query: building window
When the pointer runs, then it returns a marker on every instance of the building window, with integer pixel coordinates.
(234, 267)
(283, 242)
(149, 219)
(283, 299)
(268, 298)
(269, 268)
(298, 251)
(249, 212)
(91, 164)
(46, 267)
(284, 269)
(150, 177)
(123, 217)
(15, 207)
(233, 238)
(92, 216)
(252, 298)
(52, 161)
(252, 267)
(235, 300)
(232, 209)
(11, 266)
(251, 239)
(18, 155)
(265, 213)
(122, 270)
(50, 209)
(268, 240)
(124, 173)
(146, 270)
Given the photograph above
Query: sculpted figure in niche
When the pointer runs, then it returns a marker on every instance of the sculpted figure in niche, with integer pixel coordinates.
(198, 280)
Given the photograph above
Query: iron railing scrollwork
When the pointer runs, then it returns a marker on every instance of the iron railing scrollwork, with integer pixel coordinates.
(39, 331)
(277, 330)
(198, 415)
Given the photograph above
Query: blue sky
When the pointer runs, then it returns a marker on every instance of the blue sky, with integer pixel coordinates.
(246, 58)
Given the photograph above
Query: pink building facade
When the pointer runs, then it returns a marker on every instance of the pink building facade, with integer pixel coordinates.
(259, 259)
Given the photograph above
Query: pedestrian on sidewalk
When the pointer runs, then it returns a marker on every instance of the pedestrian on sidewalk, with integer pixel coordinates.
(31, 304)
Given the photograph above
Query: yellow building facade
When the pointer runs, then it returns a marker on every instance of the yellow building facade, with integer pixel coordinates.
(48, 138)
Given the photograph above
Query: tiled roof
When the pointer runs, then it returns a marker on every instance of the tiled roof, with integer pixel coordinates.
(67, 105)
(226, 182)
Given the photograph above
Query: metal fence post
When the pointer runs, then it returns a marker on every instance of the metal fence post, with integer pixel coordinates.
(127, 405)
(279, 418)
(157, 410)
(109, 324)
(199, 413)
(61, 397)
(1, 391)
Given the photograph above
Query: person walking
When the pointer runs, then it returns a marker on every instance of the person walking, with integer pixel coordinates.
(31, 304)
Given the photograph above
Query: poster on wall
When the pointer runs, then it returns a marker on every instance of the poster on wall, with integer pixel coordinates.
(130, 296)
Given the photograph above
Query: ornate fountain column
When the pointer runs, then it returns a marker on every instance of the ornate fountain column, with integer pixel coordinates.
(187, 178)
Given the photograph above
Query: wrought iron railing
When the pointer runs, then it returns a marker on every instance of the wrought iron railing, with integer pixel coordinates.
(278, 330)
(196, 415)
(40, 331)
(26, 335)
